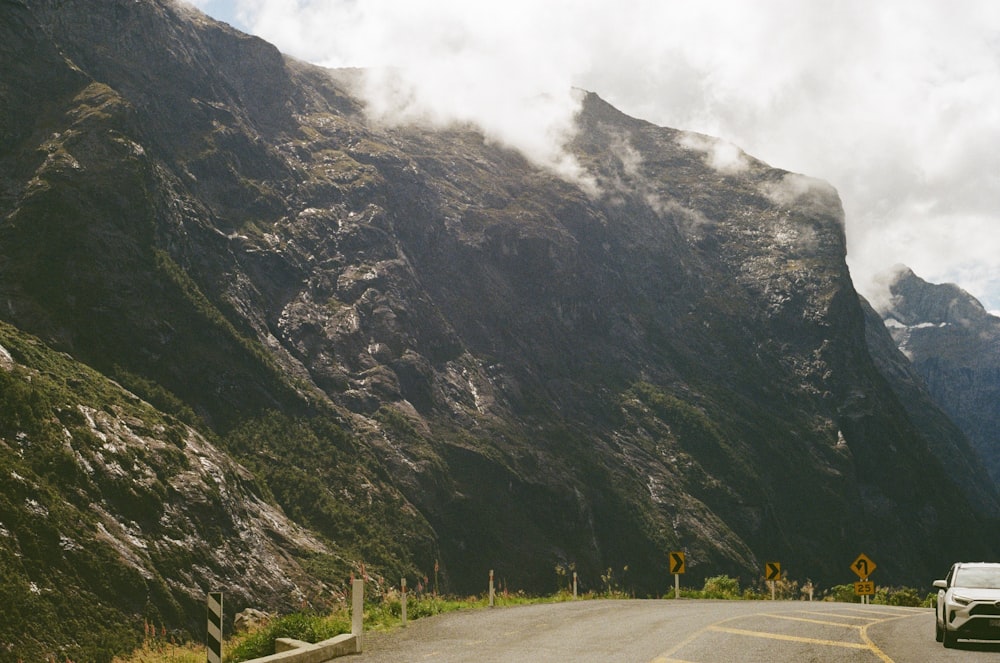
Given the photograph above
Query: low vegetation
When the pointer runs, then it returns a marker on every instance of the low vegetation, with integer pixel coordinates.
(384, 613)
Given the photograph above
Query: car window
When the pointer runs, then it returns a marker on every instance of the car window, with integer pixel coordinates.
(979, 577)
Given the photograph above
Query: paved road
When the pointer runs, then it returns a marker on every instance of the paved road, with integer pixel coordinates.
(673, 632)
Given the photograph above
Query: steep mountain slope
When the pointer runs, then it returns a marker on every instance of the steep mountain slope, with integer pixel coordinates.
(426, 347)
(954, 345)
(111, 513)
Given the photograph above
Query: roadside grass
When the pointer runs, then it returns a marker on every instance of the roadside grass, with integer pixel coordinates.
(155, 653)
(384, 613)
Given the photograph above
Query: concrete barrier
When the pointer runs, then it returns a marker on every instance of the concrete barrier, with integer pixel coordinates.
(296, 651)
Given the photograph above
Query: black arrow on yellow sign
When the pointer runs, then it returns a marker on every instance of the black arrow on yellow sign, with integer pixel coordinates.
(677, 562)
(862, 568)
(773, 571)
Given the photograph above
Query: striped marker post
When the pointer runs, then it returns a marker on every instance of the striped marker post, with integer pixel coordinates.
(213, 641)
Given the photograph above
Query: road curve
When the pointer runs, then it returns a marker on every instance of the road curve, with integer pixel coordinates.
(669, 631)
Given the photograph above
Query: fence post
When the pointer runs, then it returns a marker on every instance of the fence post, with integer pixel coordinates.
(491, 588)
(402, 602)
(358, 611)
(213, 640)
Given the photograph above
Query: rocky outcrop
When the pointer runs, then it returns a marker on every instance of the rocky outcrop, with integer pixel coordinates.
(111, 513)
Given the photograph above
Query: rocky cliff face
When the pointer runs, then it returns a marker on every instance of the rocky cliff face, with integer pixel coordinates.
(428, 348)
(954, 345)
(111, 513)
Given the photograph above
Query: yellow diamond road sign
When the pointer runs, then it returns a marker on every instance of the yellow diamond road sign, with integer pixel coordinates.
(863, 566)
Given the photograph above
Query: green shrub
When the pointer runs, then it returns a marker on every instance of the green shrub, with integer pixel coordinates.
(721, 587)
(902, 596)
(308, 627)
(842, 594)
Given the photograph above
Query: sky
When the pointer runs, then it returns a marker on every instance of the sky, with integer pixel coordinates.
(896, 103)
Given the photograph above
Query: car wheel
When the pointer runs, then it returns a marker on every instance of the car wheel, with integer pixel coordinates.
(938, 631)
(949, 638)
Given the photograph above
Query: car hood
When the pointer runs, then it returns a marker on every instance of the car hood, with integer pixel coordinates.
(976, 594)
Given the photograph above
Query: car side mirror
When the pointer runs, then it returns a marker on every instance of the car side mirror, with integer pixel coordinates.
(941, 584)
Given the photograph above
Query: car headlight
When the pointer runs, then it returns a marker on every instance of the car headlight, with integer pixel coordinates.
(961, 600)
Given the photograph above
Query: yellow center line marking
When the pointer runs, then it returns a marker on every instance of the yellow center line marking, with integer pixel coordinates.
(666, 656)
(875, 648)
(789, 638)
(886, 613)
(835, 615)
(811, 621)
(868, 644)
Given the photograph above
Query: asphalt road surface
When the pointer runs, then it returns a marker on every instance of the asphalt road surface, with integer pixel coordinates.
(668, 631)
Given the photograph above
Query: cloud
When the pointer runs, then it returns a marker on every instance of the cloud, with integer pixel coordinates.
(445, 62)
(794, 189)
(721, 155)
(880, 296)
(896, 103)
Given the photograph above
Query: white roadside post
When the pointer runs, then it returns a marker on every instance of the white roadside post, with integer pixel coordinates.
(574, 584)
(358, 611)
(491, 588)
(402, 602)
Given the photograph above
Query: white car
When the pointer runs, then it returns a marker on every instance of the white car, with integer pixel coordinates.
(968, 603)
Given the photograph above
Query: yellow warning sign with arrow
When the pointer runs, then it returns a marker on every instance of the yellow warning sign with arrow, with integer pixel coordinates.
(863, 566)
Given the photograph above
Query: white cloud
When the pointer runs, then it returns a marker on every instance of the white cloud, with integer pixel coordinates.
(896, 103)
(720, 154)
(447, 61)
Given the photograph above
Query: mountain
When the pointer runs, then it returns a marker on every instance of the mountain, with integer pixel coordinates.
(425, 350)
(103, 496)
(953, 343)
